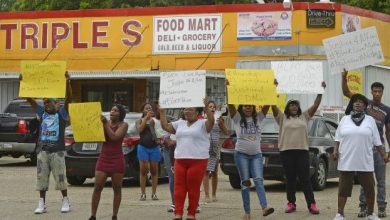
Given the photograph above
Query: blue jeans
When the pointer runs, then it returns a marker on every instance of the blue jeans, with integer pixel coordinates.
(251, 166)
(168, 165)
(380, 176)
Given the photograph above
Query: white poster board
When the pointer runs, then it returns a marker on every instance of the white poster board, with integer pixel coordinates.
(182, 89)
(298, 77)
(353, 50)
(187, 34)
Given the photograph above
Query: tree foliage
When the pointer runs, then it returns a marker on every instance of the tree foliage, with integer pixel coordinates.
(37, 5)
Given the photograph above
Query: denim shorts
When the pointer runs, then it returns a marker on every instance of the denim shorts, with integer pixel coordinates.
(149, 154)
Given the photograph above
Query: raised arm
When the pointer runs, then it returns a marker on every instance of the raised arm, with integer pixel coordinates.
(312, 110)
(68, 96)
(32, 101)
(115, 135)
(210, 116)
(275, 110)
(164, 123)
(344, 84)
(265, 109)
(232, 109)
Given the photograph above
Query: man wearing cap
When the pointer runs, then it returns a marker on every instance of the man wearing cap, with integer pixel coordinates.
(381, 113)
(51, 147)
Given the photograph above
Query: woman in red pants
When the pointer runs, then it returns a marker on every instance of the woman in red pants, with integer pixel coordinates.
(191, 155)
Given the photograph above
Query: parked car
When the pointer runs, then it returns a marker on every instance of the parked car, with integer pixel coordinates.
(19, 130)
(321, 141)
(81, 157)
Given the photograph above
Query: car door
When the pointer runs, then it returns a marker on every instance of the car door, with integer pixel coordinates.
(332, 126)
(327, 141)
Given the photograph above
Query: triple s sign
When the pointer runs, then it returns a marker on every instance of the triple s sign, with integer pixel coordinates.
(171, 34)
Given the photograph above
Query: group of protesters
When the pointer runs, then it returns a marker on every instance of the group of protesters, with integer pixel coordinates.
(191, 152)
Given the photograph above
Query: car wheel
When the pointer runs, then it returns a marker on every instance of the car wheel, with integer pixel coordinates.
(320, 175)
(76, 180)
(235, 181)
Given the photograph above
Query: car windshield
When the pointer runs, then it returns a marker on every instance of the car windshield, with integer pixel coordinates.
(269, 126)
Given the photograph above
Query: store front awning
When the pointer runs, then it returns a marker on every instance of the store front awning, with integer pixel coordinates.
(113, 75)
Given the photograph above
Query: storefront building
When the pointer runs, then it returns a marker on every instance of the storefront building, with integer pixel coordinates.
(116, 55)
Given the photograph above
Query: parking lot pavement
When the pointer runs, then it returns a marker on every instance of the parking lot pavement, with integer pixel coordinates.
(18, 199)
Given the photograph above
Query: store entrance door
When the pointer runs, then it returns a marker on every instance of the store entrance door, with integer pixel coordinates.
(108, 95)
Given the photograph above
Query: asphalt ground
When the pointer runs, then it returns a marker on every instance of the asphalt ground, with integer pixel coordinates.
(18, 199)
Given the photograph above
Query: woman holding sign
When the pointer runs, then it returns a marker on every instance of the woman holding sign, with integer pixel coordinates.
(111, 161)
(191, 154)
(248, 155)
(294, 149)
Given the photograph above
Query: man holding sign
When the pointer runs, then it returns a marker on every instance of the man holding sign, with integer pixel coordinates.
(51, 156)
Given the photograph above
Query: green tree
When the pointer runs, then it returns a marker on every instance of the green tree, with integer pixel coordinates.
(34, 5)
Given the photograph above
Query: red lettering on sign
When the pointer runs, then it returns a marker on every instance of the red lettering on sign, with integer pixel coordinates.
(29, 36)
(96, 33)
(76, 37)
(8, 34)
(55, 36)
(135, 34)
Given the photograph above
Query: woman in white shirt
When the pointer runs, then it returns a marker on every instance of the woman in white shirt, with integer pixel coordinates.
(191, 155)
(356, 135)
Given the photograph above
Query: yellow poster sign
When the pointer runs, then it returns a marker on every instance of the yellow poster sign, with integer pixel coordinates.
(43, 79)
(86, 122)
(251, 87)
(355, 82)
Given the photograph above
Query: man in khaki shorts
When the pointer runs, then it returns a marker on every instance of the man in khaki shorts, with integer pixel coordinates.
(51, 157)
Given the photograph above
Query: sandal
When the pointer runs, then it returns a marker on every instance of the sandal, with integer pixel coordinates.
(178, 218)
(268, 211)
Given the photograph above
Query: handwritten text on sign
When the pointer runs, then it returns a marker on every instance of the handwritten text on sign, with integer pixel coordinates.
(86, 122)
(298, 77)
(186, 34)
(43, 79)
(353, 50)
(251, 87)
(182, 89)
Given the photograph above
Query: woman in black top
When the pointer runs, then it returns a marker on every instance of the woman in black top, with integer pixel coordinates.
(148, 150)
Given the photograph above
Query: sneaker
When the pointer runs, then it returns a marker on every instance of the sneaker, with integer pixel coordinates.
(313, 209)
(41, 207)
(382, 212)
(198, 209)
(363, 212)
(92, 218)
(171, 208)
(143, 197)
(154, 197)
(372, 217)
(114, 217)
(291, 207)
(339, 217)
(65, 205)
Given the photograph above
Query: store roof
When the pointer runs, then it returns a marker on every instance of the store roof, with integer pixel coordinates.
(113, 75)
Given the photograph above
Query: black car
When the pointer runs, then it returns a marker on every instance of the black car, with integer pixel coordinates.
(81, 157)
(321, 143)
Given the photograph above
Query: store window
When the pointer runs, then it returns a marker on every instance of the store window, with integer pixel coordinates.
(109, 95)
